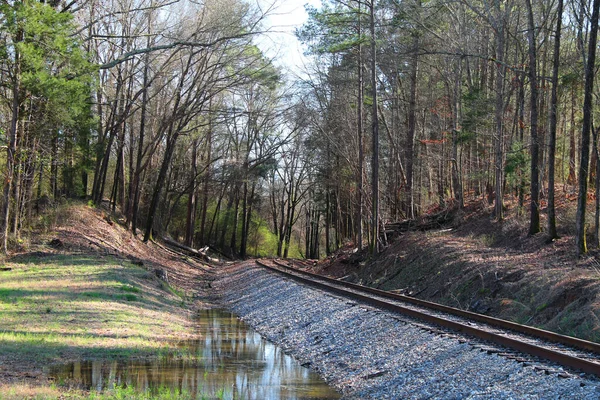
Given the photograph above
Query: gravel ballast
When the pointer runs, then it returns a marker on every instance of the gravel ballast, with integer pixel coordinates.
(370, 354)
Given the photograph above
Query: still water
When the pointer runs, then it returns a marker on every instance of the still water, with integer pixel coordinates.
(232, 362)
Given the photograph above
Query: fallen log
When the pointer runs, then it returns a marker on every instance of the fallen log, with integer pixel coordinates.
(424, 223)
(198, 253)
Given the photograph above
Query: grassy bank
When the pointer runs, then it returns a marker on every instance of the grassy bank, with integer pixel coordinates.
(56, 308)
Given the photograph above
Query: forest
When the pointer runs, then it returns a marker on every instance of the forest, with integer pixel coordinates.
(169, 112)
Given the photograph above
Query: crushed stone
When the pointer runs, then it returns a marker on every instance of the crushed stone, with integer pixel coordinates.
(370, 354)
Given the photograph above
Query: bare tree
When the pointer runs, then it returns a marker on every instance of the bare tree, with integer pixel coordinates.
(580, 238)
(552, 233)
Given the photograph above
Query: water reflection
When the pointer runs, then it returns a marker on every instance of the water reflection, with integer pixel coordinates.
(232, 362)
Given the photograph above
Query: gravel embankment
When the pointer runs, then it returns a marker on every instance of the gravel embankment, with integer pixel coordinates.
(370, 354)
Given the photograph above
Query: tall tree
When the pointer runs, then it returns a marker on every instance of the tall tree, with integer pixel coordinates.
(534, 223)
(552, 233)
(338, 29)
(374, 138)
(580, 227)
(499, 31)
(47, 73)
(412, 119)
(359, 131)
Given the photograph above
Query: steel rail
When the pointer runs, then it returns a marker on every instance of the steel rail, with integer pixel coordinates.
(342, 288)
(500, 323)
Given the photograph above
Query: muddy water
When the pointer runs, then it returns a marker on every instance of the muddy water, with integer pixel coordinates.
(232, 362)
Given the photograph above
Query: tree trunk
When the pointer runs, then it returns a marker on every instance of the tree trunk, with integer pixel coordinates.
(291, 210)
(361, 150)
(135, 184)
(17, 180)
(456, 181)
(191, 204)
(206, 178)
(104, 152)
(534, 221)
(234, 224)
(274, 206)
(307, 232)
(499, 138)
(215, 215)
(596, 193)
(244, 233)
(552, 234)
(30, 175)
(521, 96)
(412, 127)
(140, 153)
(282, 220)
(327, 221)
(54, 166)
(11, 149)
(99, 145)
(227, 220)
(572, 179)
(580, 228)
(247, 214)
(375, 139)
(119, 176)
(162, 174)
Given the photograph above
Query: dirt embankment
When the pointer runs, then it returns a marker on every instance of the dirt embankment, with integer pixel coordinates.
(83, 287)
(79, 229)
(488, 267)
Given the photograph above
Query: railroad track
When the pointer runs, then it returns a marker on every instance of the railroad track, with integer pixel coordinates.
(567, 351)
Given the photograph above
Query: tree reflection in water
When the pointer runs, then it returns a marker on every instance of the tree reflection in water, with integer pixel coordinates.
(230, 359)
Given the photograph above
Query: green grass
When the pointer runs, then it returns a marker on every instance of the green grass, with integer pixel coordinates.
(173, 290)
(53, 392)
(93, 295)
(129, 288)
(130, 297)
(130, 393)
(62, 307)
(163, 393)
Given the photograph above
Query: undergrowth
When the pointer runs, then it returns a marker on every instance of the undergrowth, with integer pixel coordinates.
(123, 392)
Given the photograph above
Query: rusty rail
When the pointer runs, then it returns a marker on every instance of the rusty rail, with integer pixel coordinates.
(366, 294)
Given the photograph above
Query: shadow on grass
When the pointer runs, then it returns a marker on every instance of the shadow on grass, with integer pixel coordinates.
(57, 346)
(41, 258)
(118, 282)
(118, 305)
(45, 348)
(27, 296)
(81, 335)
(64, 306)
(86, 319)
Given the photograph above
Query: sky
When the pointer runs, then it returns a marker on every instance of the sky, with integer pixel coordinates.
(281, 43)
